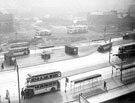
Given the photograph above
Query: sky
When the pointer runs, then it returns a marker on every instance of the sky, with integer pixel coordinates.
(58, 6)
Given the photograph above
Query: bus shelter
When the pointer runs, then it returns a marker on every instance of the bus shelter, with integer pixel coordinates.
(89, 79)
(82, 99)
(8, 59)
(126, 70)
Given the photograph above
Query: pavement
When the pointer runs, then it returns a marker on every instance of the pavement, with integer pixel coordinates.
(96, 93)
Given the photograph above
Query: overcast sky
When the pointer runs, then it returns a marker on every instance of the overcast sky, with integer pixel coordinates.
(67, 5)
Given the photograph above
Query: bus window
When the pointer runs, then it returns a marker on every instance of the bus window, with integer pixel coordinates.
(45, 85)
(32, 80)
(41, 86)
(40, 78)
(59, 74)
(50, 84)
(46, 77)
(36, 78)
(54, 83)
(37, 87)
(28, 80)
(55, 75)
(51, 76)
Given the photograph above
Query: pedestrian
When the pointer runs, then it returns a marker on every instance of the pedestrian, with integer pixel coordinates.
(0, 98)
(66, 81)
(2, 65)
(65, 86)
(7, 96)
(22, 93)
(105, 87)
(9, 100)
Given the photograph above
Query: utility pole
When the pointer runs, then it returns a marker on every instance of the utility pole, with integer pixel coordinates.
(122, 58)
(16, 36)
(110, 52)
(16, 66)
(105, 34)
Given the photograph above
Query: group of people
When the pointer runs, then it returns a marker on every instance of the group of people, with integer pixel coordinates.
(8, 95)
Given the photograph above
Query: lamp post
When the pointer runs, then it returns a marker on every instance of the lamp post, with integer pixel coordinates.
(16, 67)
(110, 52)
(110, 62)
(122, 58)
(16, 36)
(105, 34)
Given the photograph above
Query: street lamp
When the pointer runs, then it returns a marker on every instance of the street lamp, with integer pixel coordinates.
(17, 68)
(105, 34)
(16, 36)
(110, 52)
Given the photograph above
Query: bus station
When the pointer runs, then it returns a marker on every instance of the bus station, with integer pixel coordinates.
(63, 51)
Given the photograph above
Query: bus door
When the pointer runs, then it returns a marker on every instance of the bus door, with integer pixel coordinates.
(58, 84)
(28, 93)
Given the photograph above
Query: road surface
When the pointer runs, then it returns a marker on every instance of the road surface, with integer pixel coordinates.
(8, 79)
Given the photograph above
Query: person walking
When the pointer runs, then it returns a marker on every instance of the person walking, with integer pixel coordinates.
(7, 96)
(66, 81)
(22, 94)
(0, 98)
(2, 66)
(105, 87)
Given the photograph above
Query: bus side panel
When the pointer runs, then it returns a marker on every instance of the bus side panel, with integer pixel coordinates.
(44, 90)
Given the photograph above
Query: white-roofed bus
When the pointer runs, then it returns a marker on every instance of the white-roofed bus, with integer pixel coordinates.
(75, 29)
(41, 82)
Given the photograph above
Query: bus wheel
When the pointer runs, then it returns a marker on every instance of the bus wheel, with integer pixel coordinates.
(52, 89)
(31, 94)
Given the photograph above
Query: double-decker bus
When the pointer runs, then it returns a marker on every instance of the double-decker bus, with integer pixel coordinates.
(43, 33)
(129, 35)
(127, 47)
(19, 44)
(19, 51)
(41, 82)
(77, 29)
(126, 51)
